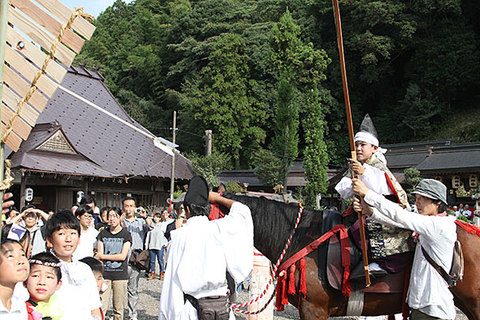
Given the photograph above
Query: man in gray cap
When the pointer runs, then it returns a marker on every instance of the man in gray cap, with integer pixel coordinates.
(428, 294)
(201, 252)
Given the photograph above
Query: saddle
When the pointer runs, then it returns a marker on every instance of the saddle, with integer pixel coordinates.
(392, 283)
(332, 271)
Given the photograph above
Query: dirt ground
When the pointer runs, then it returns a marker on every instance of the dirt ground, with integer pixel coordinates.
(149, 298)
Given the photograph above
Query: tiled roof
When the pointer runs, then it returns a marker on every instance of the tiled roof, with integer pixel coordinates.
(54, 162)
(114, 147)
(457, 160)
(405, 160)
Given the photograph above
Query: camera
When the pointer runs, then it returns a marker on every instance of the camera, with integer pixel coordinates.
(138, 210)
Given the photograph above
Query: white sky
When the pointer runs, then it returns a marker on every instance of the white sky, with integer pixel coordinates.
(93, 7)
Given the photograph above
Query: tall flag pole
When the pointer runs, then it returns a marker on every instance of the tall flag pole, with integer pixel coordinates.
(338, 25)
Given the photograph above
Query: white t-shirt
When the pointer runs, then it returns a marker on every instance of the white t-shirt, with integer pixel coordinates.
(88, 242)
(78, 293)
(18, 310)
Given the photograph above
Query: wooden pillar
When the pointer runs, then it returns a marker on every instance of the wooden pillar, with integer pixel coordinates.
(23, 185)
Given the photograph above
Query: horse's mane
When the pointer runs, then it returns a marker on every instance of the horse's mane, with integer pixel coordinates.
(274, 221)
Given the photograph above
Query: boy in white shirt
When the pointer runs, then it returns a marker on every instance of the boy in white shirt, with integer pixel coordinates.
(78, 293)
(385, 253)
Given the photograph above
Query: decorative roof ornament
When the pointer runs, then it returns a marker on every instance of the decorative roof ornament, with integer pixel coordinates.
(57, 143)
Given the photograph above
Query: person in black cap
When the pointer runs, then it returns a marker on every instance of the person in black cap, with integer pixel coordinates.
(385, 253)
(428, 296)
(201, 252)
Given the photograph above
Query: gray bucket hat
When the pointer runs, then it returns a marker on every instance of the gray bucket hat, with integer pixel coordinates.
(432, 189)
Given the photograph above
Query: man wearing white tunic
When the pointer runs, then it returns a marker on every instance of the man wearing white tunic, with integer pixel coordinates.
(202, 251)
(428, 293)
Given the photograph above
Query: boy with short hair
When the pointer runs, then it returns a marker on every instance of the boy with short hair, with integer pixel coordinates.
(33, 220)
(78, 293)
(97, 269)
(13, 269)
(44, 280)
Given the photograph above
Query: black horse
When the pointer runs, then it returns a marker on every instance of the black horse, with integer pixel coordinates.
(273, 223)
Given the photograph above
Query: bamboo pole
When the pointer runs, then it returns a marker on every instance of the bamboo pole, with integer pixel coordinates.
(338, 24)
(3, 33)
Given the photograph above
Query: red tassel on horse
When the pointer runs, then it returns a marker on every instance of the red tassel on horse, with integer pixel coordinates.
(302, 290)
(284, 290)
(281, 283)
(291, 280)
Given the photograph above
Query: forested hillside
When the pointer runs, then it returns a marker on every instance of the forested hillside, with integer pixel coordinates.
(264, 74)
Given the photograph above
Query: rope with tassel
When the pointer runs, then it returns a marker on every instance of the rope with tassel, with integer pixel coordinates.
(51, 56)
(7, 182)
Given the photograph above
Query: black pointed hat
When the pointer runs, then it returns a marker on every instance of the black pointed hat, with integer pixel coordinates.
(367, 126)
(197, 192)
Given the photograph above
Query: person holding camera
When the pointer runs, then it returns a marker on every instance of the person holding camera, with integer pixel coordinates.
(138, 227)
(33, 220)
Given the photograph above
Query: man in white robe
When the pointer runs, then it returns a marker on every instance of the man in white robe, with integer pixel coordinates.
(202, 251)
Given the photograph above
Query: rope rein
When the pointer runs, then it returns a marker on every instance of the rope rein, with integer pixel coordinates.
(273, 274)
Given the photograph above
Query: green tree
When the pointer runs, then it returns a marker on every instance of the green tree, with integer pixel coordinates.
(306, 66)
(210, 166)
(222, 101)
(268, 167)
(412, 178)
(285, 142)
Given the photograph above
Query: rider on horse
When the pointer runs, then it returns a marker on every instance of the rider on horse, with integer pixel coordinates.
(387, 243)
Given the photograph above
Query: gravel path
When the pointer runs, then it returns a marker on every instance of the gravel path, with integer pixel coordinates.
(149, 298)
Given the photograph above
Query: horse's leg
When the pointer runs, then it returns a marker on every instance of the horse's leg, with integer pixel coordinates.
(321, 300)
(311, 311)
(382, 304)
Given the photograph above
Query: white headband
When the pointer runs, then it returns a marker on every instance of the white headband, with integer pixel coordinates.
(366, 137)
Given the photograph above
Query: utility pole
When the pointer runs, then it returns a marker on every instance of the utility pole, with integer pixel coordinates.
(208, 146)
(172, 177)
